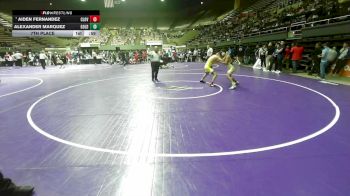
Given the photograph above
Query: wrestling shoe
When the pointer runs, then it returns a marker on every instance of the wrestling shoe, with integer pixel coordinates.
(202, 81)
(233, 87)
(211, 85)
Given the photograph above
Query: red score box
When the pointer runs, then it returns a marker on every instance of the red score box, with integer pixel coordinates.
(94, 19)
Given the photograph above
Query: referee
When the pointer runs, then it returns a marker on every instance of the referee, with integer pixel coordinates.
(155, 63)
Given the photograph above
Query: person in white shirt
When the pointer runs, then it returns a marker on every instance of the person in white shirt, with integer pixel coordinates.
(94, 56)
(9, 59)
(209, 51)
(342, 58)
(324, 60)
(154, 57)
(332, 56)
(49, 58)
(42, 59)
(262, 56)
(18, 58)
(189, 56)
(30, 58)
(195, 55)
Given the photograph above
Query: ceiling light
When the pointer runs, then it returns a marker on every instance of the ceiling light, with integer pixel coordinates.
(83, 0)
(201, 2)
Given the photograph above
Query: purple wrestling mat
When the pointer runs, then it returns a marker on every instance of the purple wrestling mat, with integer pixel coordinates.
(108, 130)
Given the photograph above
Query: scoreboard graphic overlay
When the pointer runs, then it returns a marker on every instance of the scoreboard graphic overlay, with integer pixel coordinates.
(66, 23)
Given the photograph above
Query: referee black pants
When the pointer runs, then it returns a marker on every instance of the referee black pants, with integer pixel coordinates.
(43, 63)
(155, 70)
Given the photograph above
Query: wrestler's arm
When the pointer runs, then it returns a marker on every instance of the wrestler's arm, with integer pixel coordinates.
(224, 60)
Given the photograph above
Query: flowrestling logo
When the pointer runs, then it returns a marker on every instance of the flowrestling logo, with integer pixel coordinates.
(50, 12)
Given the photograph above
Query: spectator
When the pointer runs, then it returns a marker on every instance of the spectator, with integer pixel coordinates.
(331, 58)
(257, 64)
(247, 54)
(195, 55)
(144, 56)
(279, 56)
(262, 56)
(287, 55)
(324, 60)
(297, 55)
(343, 56)
(240, 54)
(94, 56)
(209, 51)
(42, 59)
(18, 57)
(189, 55)
(7, 59)
(316, 60)
(269, 57)
(136, 56)
(30, 59)
(2, 61)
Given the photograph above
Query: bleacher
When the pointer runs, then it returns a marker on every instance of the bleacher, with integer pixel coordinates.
(261, 18)
(18, 42)
(267, 17)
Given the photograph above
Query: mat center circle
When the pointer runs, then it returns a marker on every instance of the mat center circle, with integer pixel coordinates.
(179, 89)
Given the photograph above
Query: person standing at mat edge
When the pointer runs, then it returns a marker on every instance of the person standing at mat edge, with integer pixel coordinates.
(209, 51)
(42, 59)
(324, 60)
(155, 63)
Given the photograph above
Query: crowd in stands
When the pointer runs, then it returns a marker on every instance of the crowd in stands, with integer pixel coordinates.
(103, 38)
(133, 36)
(123, 36)
(282, 14)
(5, 44)
(288, 12)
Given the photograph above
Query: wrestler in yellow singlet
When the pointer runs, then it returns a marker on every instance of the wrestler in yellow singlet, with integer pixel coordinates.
(227, 60)
(208, 67)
